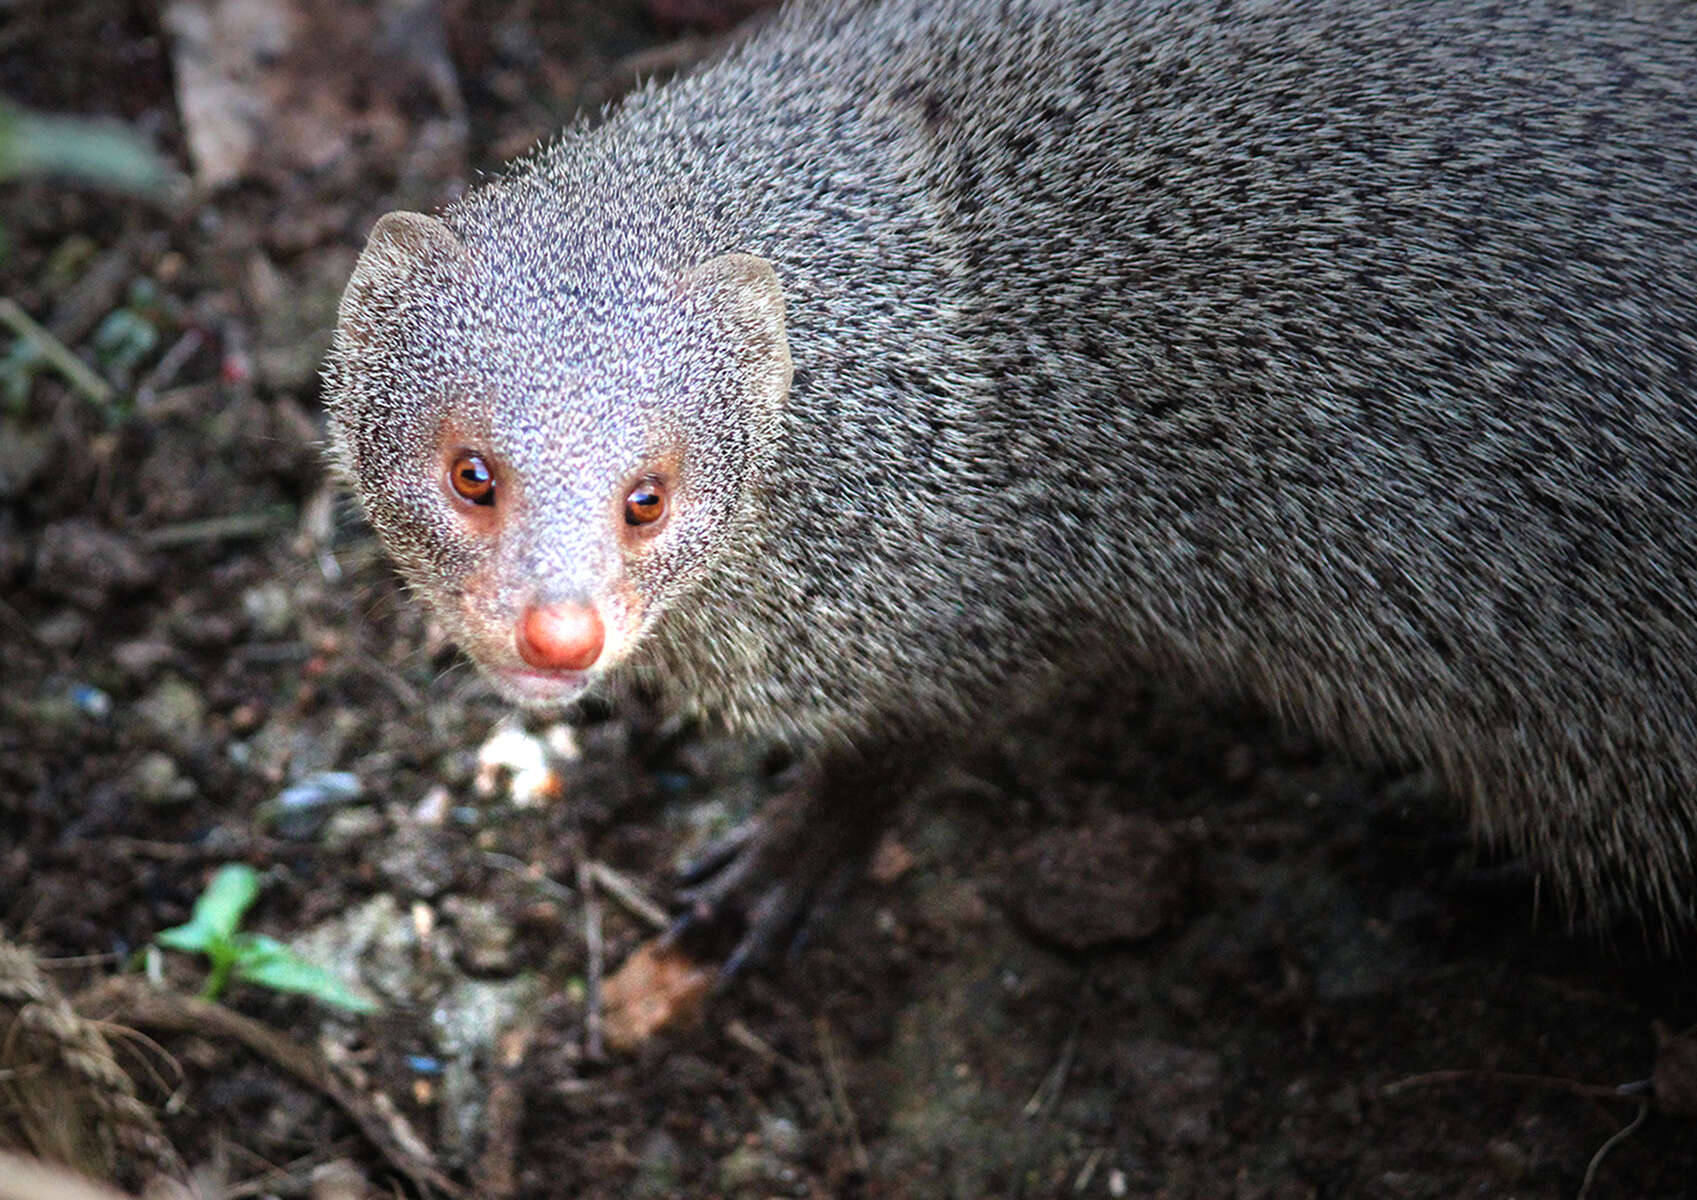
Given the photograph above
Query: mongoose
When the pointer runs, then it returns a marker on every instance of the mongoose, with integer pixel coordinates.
(1340, 354)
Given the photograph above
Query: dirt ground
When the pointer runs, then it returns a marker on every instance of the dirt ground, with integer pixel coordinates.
(1142, 946)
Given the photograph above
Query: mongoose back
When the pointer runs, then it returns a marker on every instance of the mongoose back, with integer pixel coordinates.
(1339, 354)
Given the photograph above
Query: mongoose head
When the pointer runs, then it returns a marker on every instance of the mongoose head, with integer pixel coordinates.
(552, 461)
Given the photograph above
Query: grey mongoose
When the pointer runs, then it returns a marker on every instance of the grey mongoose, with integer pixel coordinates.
(1339, 354)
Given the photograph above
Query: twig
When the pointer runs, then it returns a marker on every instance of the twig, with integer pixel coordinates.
(1602, 1151)
(293, 1178)
(594, 1047)
(220, 529)
(1038, 1109)
(745, 1037)
(1049, 1090)
(154, 1054)
(531, 873)
(391, 679)
(1592, 1091)
(243, 845)
(15, 619)
(815, 1094)
(629, 895)
(165, 370)
(1088, 1171)
(67, 962)
(839, 1094)
(76, 372)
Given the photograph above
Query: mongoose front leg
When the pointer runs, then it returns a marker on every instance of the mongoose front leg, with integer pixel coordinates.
(778, 873)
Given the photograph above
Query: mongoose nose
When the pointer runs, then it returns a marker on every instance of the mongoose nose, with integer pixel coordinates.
(561, 637)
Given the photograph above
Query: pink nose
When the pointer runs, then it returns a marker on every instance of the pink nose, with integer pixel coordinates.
(561, 637)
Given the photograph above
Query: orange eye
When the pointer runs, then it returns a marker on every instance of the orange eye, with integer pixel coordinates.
(472, 480)
(646, 503)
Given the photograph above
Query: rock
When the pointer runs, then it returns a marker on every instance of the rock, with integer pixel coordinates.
(484, 938)
(156, 780)
(468, 1019)
(1116, 878)
(299, 811)
(174, 710)
(270, 610)
(352, 827)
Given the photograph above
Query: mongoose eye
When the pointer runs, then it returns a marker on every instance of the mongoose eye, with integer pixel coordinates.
(646, 503)
(472, 480)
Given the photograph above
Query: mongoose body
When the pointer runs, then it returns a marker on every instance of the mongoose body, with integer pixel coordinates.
(1341, 354)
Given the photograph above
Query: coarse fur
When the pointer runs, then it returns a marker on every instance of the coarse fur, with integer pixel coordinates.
(1342, 354)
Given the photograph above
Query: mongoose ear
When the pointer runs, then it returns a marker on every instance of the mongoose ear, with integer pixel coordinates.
(400, 243)
(741, 291)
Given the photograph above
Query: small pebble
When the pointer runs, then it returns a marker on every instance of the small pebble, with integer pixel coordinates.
(432, 811)
(300, 810)
(270, 609)
(157, 781)
(781, 1136)
(175, 711)
(483, 937)
(91, 701)
(353, 827)
(64, 630)
(1508, 1160)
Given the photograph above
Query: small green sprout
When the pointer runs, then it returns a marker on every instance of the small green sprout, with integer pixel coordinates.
(250, 957)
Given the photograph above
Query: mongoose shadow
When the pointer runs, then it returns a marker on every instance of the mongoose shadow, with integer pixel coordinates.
(1338, 355)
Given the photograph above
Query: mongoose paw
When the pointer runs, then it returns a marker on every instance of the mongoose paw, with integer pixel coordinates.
(776, 879)
(776, 921)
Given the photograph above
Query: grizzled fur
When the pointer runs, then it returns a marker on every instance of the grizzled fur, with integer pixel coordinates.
(1343, 354)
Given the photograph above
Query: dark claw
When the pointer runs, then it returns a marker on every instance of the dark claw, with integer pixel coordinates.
(776, 880)
(773, 921)
(717, 854)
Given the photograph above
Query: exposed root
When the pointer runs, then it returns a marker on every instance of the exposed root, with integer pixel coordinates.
(62, 1090)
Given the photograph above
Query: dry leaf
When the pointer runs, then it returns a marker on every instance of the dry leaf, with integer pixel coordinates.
(657, 988)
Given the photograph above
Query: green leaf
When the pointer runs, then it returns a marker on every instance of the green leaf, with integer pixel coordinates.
(227, 898)
(267, 962)
(218, 912)
(190, 938)
(97, 152)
